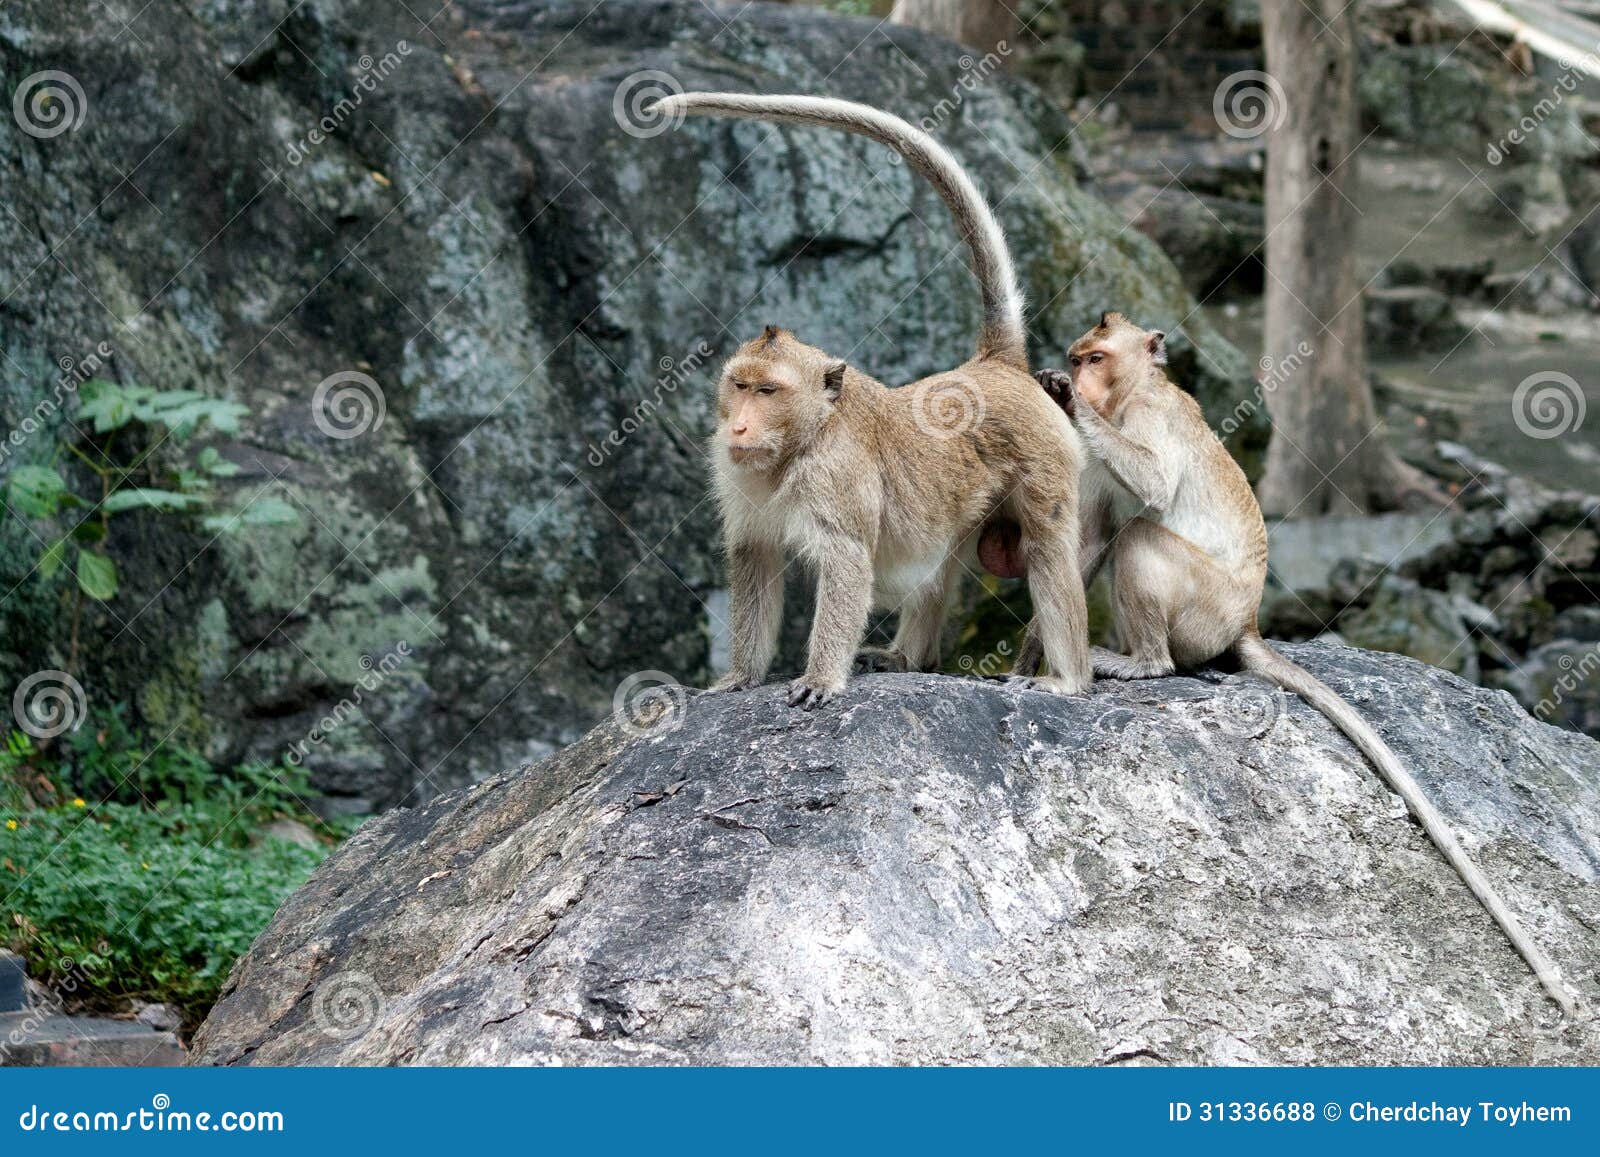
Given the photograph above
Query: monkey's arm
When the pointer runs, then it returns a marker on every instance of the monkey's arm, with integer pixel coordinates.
(1126, 452)
(844, 596)
(755, 610)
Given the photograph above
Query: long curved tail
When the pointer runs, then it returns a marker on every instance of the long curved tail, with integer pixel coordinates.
(1255, 655)
(1002, 335)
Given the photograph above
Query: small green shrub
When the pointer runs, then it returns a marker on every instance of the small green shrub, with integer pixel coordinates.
(154, 888)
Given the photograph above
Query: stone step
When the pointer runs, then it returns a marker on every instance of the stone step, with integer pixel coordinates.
(40, 1038)
(13, 986)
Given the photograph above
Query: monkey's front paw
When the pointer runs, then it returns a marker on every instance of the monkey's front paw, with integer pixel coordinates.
(870, 659)
(1058, 384)
(808, 691)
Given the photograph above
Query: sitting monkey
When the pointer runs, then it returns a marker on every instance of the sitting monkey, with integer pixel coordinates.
(1164, 502)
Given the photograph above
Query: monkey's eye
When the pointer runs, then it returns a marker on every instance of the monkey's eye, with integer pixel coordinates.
(1075, 360)
(738, 385)
(1095, 359)
(766, 389)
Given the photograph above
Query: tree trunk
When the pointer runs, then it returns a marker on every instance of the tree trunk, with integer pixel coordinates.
(1327, 455)
(982, 24)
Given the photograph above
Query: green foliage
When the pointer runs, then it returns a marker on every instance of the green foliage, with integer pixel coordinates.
(153, 889)
(130, 424)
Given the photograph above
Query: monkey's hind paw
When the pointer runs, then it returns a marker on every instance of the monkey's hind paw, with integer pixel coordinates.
(873, 659)
(733, 681)
(806, 693)
(1053, 684)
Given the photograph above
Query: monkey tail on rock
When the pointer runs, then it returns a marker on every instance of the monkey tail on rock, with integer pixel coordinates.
(1002, 336)
(1255, 655)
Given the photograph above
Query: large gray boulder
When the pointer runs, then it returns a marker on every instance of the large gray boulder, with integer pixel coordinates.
(540, 283)
(942, 871)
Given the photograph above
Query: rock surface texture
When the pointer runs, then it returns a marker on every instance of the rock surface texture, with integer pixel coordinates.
(463, 205)
(937, 871)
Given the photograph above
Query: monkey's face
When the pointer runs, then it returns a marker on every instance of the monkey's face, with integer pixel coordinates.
(1114, 353)
(774, 397)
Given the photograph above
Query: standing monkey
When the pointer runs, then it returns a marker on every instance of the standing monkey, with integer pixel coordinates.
(814, 458)
(1166, 503)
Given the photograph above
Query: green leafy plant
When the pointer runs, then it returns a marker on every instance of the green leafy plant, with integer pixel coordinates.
(125, 430)
(147, 870)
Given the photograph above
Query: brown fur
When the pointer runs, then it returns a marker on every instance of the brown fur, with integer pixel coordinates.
(873, 487)
(854, 482)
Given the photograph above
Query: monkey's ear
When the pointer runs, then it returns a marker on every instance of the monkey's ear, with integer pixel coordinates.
(833, 380)
(1157, 345)
(1104, 317)
(770, 334)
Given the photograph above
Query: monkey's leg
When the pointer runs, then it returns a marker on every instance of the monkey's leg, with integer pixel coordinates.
(1092, 555)
(1050, 529)
(755, 611)
(1145, 583)
(844, 596)
(1172, 604)
(922, 621)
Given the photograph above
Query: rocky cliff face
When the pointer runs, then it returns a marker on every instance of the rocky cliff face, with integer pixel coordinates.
(940, 871)
(260, 198)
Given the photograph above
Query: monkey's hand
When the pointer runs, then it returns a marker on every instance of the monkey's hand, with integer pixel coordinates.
(735, 681)
(1058, 384)
(810, 691)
